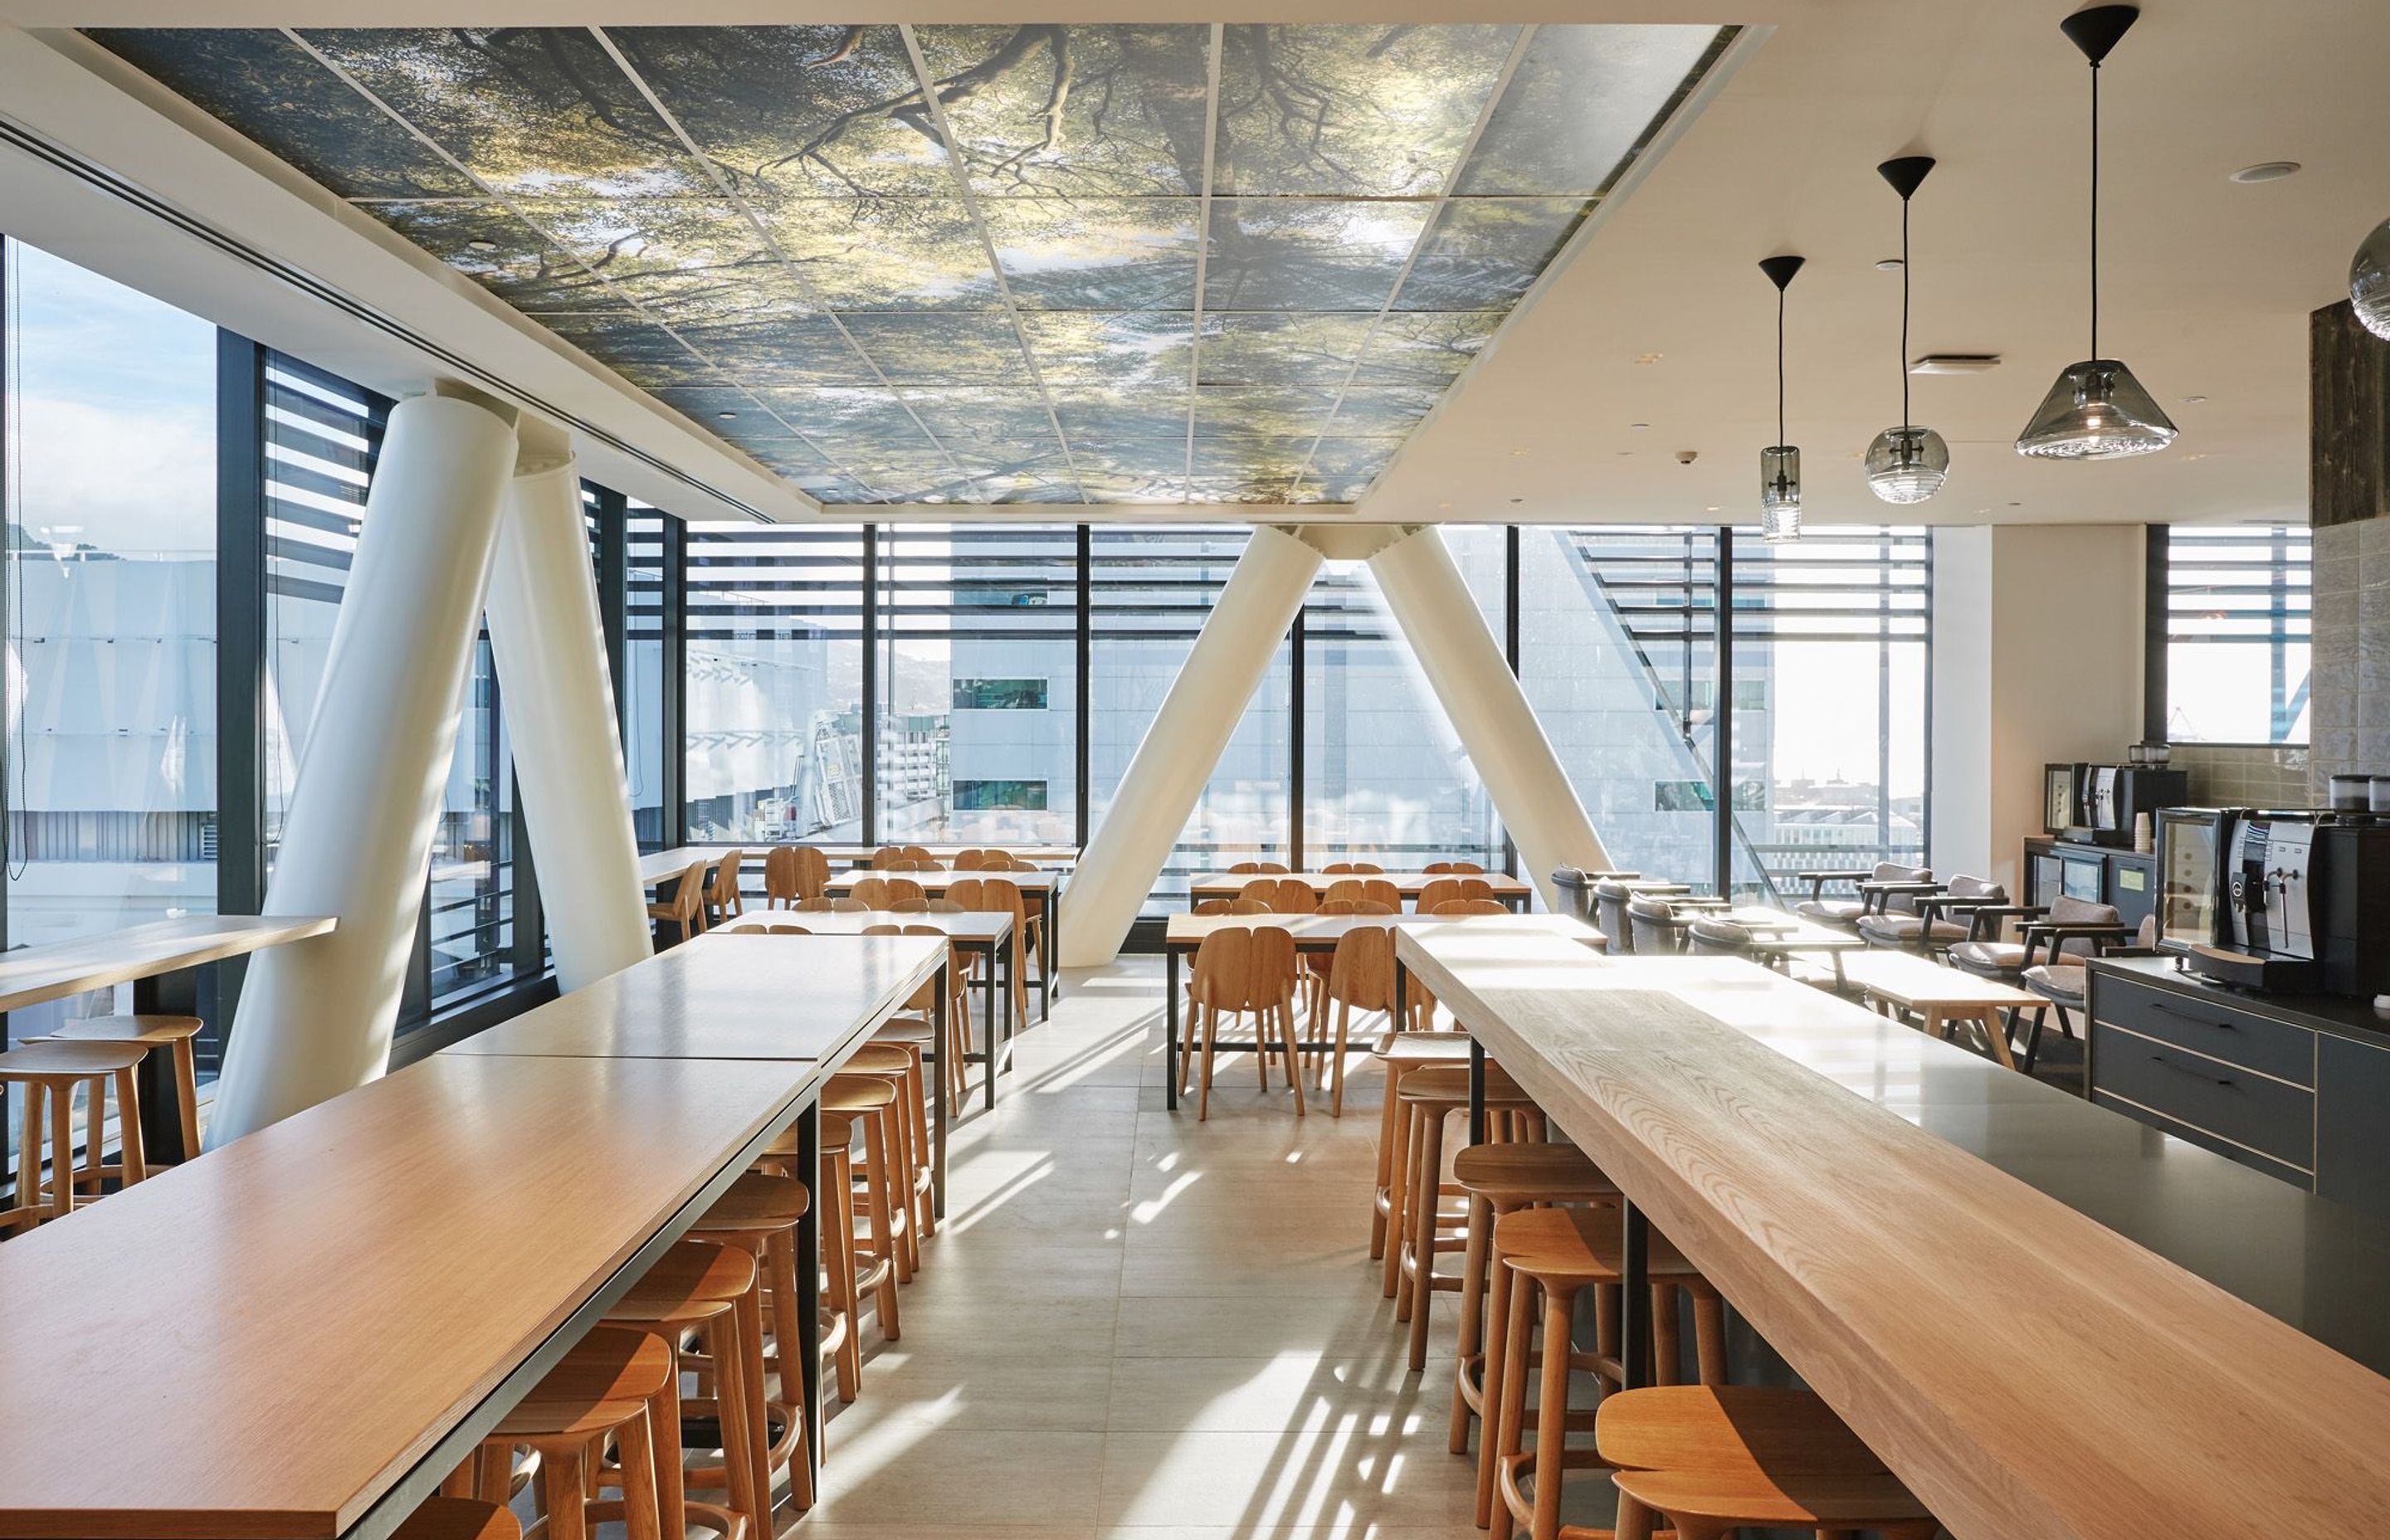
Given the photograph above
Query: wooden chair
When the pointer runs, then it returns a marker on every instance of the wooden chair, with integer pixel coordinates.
(1376, 889)
(1469, 867)
(1234, 973)
(1001, 895)
(954, 1056)
(874, 892)
(723, 900)
(1443, 889)
(601, 1390)
(1291, 895)
(1335, 868)
(1554, 1254)
(909, 906)
(49, 1073)
(886, 854)
(1261, 890)
(1712, 1458)
(1360, 977)
(913, 863)
(1457, 907)
(783, 885)
(685, 907)
(173, 1033)
(969, 860)
(1004, 861)
(1271, 868)
(1653, 924)
(1374, 906)
(692, 1295)
(814, 906)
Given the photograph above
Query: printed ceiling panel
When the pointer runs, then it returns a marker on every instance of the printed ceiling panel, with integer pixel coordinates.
(989, 263)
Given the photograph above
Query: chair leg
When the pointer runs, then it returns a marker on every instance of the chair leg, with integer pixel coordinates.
(1336, 1072)
(1211, 1039)
(1284, 1010)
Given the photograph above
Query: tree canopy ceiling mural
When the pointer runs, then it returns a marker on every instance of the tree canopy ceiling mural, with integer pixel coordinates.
(999, 264)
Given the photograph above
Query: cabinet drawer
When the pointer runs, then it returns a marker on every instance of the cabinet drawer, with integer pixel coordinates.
(2212, 1027)
(2208, 1142)
(2225, 1099)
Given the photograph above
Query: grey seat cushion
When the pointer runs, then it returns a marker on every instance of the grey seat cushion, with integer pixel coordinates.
(1997, 957)
(2061, 982)
(1832, 911)
(1902, 929)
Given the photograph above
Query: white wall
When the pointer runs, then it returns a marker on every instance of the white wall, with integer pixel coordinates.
(2036, 659)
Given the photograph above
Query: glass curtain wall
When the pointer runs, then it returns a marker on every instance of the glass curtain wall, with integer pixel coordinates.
(643, 675)
(978, 676)
(1151, 588)
(1385, 779)
(774, 695)
(2237, 634)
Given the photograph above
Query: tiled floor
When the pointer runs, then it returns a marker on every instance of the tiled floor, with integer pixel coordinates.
(1140, 1327)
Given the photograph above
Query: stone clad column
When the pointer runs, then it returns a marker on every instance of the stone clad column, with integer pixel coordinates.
(316, 1016)
(1465, 667)
(1180, 749)
(549, 645)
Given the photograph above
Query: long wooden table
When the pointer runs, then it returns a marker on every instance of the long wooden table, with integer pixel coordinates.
(158, 959)
(1318, 933)
(2054, 1323)
(1041, 894)
(1509, 890)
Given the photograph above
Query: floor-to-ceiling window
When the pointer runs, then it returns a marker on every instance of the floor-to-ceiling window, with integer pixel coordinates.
(2237, 635)
(979, 683)
(1153, 586)
(774, 688)
(644, 750)
(1385, 779)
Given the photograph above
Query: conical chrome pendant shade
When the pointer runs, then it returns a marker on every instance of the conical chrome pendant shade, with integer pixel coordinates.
(1907, 464)
(2097, 410)
(1779, 463)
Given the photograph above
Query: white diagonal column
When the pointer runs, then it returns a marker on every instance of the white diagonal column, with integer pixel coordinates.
(315, 1018)
(1180, 749)
(1465, 667)
(549, 645)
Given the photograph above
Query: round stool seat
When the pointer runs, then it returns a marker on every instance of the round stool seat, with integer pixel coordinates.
(458, 1519)
(1754, 1429)
(878, 1059)
(1748, 1497)
(692, 1280)
(1447, 1082)
(860, 1093)
(149, 1031)
(756, 1202)
(1572, 1247)
(611, 1363)
(70, 1060)
(904, 1029)
(1531, 1172)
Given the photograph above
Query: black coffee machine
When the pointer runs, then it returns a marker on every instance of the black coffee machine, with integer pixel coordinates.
(2096, 804)
(2288, 902)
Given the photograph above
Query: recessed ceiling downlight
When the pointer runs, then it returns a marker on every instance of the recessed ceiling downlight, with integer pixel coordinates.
(2265, 171)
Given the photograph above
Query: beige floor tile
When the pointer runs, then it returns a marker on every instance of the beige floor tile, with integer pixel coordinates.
(926, 1473)
(1287, 1482)
(912, 1382)
(1348, 1321)
(1294, 1389)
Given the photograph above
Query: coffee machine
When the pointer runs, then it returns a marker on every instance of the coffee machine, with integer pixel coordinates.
(2284, 902)
(2096, 804)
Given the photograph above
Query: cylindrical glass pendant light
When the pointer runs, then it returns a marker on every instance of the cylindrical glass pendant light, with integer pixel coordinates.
(2097, 410)
(1907, 464)
(1779, 464)
(2368, 282)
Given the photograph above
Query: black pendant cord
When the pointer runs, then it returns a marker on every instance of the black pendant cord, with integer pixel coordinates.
(1903, 327)
(2095, 208)
(1780, 370)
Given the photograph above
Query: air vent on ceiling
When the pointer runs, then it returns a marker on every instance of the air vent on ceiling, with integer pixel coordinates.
(1955, 363)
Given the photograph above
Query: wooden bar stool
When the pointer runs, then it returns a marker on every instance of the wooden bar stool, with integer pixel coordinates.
(759, 1215)
(911, 1162)
(1501, 1179)
(171, 1032)
(843, 1285)
(872, 1101)
(600, 1392)
(1433, 1096)
(458, 1519)
(49, 1073)
(1401, 1052)
(1560, 1252)
(692, 1293)
(1711, 1458)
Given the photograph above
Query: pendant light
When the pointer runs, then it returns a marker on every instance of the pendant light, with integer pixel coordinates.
(1906, 464)
(2368, 282)
(1779, 464)
(2097, 410)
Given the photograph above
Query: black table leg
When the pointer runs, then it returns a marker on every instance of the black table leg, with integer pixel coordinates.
(1634, 1298)
(940, 1031)
(1402, 987)
(992, 1040)
(809, 1281)
(1050, 908)
(1170, 1028)
(1476, 1092)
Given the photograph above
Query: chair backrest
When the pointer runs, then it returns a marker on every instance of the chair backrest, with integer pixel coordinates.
(903, 889)
(723, 893)
(1294, 896)
(1443, 889)
(1470, 907)
(1892, 871)
(886, 854)
(1609, 915)
(1004, 861)
(1963, 886)
(871, 893)
(1467, 868)
(1371, 906)
(1653, 922)
(2146, 936)
(849, 906)
(1213, 906)
(688, 895)
(1707, 937)
(813, 871)
(919, 853)
(1340, 892)
(970, 892)
(912, 864)
(1263, 888)
(1336, 905)
(969, 860)
(1361, 973)
(763, 931)
(908, 906)
(814, 906)
(1249, 907)
(942, 906)
(1243, 866)
(781, 887)
(1223, 959)
(1271, 966)
(2082, 911)
(1376, 889)
(883, 930)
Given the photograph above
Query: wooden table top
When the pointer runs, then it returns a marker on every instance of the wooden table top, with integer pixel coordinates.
(1774, 931)
(663, 865)
(748, 997)
(260, 1343)
(1229, 884)
(30, 975)
(1884, 1208)
(939, 881)
(1321, 932)
(973, 927)
(1906, 979)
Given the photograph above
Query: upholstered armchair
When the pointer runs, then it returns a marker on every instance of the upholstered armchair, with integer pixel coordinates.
(1932, 921)
(1887, 884)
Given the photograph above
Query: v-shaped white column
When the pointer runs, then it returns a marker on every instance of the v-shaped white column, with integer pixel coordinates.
(1465, 667)
(1183, 744)
(315, 1018)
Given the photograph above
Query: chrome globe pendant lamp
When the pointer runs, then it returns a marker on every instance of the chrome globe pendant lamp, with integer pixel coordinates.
(2368, 282)
(1779, 464)
(2097, 410)
(1907, 464)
